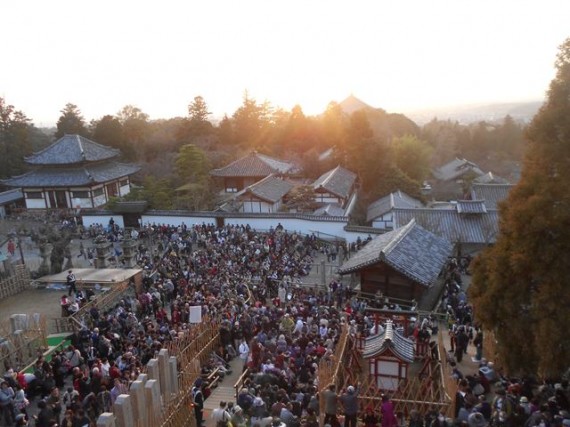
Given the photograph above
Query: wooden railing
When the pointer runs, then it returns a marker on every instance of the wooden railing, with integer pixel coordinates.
(102, 301)
(330, 371)
(449, 383)
(191, 350)
(240, 382)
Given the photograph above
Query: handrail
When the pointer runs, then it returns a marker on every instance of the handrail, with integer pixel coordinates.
(45, 353)
(241, 380)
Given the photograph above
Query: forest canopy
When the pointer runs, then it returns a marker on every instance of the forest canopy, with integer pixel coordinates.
(388, 151)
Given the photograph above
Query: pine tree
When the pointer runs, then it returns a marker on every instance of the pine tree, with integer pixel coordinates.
(71, 122)
(521, 286)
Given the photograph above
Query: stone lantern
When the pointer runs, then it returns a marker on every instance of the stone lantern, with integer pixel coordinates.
(102, 246)
(128, 245)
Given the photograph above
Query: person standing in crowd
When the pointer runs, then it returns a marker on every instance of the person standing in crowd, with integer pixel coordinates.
(387, 410)
(440, 420)
(71, 283)
(331, 405)
(7, 403)
(198, 401)
(370, 419)
(349, 402)
(461, 341)
(11, 247)
(244, 352)
(221, 416)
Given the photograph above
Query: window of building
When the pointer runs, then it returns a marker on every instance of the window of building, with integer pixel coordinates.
(98, 192)
(81, 194)
(231, 186)
(123, 182)
(34, 195)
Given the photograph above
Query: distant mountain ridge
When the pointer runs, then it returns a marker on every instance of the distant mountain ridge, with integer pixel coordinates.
(384, 125)
(493, 112)
(519, 111)
(351, 104)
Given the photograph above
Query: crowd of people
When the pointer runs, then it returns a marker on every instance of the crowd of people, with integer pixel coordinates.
(251, 282)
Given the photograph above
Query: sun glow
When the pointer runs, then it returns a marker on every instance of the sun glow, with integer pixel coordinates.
(397, 55)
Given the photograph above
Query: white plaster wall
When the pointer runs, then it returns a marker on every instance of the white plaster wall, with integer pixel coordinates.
(326, 198)
(176, 220)
(328, 229)
(256, 207)
(384, 222)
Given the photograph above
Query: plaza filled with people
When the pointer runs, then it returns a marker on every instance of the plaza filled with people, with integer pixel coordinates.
(252, 284)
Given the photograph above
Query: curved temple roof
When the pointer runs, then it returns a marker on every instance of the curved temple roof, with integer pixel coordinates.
(72, 149)
(391, 339)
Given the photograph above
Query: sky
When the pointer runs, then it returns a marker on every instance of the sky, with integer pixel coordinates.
(400, 55)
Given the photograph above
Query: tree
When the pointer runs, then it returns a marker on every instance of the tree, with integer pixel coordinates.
(520, 285)
(333, 122)
(192, 165)
(198, 111)
(14, 140)
(510, 139)
(109, 131)
(225, 131)
(158, 193)
(413, 156)
(301, 199)
(71, 122)
(135, 128)
(250, 123)
(358, 138)
(197, 125)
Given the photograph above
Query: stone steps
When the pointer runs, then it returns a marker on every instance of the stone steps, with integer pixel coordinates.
(225, 390)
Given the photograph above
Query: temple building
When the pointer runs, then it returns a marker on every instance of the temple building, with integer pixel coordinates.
(73, 172)
(250, 169)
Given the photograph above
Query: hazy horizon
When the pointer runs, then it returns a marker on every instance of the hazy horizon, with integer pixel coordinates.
(402, 57)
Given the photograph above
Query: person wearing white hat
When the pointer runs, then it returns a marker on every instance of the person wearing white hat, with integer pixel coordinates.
(349, 401)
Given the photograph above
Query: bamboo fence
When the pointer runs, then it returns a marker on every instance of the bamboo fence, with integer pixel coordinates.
(16, 283)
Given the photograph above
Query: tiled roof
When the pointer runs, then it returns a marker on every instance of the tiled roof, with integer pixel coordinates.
(254, 164)
(397, 199)
(455, 169)
(270, 189)
(11, 196)
(391, 339)
(330, 209)
(492, 194)
(72, 149)
(338, 181)
(490, 178)
(73, 177)
(471, 207)
(451, 225)
(411, 250)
